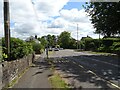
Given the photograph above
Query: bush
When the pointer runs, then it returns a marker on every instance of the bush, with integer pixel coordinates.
(110, 45)
(116, 47)
(38, 48)
(19, 48)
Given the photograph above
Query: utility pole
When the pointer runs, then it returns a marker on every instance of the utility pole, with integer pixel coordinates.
(46, 38)
(99, 41)
(7, 27)
(77, 36)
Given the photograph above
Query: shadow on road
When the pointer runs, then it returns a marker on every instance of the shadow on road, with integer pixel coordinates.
(82, 76)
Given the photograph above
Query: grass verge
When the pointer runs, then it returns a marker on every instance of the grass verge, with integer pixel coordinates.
(50, 52)
(57, 82)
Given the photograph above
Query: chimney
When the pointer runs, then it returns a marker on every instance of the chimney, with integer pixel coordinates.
(35, 36)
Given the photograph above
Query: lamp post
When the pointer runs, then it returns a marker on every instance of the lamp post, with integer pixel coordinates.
(7, 28)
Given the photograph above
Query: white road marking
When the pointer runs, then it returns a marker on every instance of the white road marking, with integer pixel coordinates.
(81, 66)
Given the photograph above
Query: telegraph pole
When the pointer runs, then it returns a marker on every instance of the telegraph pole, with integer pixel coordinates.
(7, 27)
(77, 36)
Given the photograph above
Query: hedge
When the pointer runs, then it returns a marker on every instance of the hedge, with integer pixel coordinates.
(19, 48)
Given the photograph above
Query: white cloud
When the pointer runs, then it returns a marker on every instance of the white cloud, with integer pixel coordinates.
(69, 19)
(75, 15)
(21, 11)
(50, 7)
(25, 16)
(1, 19)
(58, 23)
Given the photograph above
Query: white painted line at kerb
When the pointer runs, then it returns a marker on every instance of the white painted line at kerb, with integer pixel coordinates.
(103, 62)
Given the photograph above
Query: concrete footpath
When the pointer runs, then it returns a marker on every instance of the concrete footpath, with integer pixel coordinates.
(36, 76)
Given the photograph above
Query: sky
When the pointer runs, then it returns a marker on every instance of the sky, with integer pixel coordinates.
(43, 17)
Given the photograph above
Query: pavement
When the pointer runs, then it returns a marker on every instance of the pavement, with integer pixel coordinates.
(78, 69)
(36, 76)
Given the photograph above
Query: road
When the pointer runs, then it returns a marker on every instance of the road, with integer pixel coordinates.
(84, 70)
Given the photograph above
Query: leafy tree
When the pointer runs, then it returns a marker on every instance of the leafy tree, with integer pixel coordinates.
(54, 40)
(105, 17)
(72, 44)
(43, 41)
(50, 40)
(64, 39)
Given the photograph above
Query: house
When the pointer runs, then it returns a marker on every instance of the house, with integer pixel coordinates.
(31, 38)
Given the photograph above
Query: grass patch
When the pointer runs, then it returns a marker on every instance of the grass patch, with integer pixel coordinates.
(100, 53)
(50, 52)
(57, 82)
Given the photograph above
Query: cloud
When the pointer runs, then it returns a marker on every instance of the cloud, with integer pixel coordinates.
(21, 11)
(51, 7)
(75, 15)
(69, 19)
(47, 17)
(1, 19)
(58, 23)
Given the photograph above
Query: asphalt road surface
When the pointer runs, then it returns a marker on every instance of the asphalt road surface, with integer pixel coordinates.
(84, 70)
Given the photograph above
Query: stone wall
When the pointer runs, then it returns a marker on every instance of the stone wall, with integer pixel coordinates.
(1, 74)
(10, 70)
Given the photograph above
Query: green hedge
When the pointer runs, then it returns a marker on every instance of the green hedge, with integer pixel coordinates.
(19, 48)
(111, 45)
(38, 48)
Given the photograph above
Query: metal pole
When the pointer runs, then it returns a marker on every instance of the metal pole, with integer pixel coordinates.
(7, 27)
(99, 41)
(77, 36)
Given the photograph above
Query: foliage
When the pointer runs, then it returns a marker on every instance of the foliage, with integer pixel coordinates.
(110, 45)
(49, 40)
(19, 48)
(72, 44)
(38, 48)
(88, 43)
(64, 39)
(43, 41)
(116, 47)
(57, 82)
(105, 17)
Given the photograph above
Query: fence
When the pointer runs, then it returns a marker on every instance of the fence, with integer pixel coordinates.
(10, 70)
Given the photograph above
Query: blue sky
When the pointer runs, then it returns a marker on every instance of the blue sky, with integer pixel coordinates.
(71, 5)
(48, 17)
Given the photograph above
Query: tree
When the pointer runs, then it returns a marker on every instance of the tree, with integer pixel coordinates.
(64, 39)
(72, 44)
(105, 17)
(43, 41)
